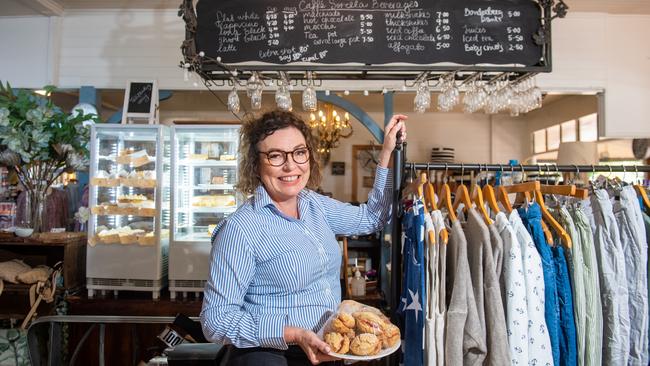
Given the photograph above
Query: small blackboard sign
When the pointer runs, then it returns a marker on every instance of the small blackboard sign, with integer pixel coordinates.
(466, 32)
(140, 102)
(140, 97)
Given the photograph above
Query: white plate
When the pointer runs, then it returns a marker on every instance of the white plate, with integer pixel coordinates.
(383, 353)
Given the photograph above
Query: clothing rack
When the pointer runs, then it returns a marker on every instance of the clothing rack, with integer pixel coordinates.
(400, 167)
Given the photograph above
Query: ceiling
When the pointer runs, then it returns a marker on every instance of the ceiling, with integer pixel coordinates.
(57, 7)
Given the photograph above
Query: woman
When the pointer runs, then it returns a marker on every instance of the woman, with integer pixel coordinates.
(275, 262)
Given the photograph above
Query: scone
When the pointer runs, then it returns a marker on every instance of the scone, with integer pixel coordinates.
(365, 344)
(338, 342)
(391, 336)
(344, 324)
(368, 322)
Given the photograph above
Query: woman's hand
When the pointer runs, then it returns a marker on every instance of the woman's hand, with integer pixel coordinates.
(315, 349)
(395, 125)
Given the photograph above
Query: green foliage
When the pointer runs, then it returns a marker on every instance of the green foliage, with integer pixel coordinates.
(38, 131)
(13, 347)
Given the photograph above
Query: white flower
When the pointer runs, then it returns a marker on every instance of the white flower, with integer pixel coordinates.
(82, 215)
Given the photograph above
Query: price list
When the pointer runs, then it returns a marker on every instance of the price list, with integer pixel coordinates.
(289, 19)
(443, 30)
(366, 23)
(371, 31)
(272, 27)
(515, 34)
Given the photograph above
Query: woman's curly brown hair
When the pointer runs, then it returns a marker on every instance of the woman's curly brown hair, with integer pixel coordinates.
(256, 130)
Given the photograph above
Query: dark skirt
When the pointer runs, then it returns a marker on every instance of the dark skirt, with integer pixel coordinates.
(258, 356)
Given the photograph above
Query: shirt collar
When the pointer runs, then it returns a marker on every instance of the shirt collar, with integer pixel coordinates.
(262, 199)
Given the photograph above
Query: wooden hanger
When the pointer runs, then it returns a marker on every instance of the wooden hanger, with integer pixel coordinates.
(477, 197)
(640, 190)
(581, 193)
(462, 194)
(526, 189)
(490, 197)
(561, 190)
(411, 189)
(503, 198)
(429, 191)
(430, 195)
(421, 193)
(566, 239)
(445, 201)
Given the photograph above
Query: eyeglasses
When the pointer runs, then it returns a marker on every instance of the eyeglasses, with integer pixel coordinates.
(278, 157)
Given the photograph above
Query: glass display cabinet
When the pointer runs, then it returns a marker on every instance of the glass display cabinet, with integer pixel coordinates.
(204, 165)
(129, 199)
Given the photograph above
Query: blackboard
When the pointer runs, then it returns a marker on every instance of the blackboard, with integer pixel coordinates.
(140, 97)
(465, 32)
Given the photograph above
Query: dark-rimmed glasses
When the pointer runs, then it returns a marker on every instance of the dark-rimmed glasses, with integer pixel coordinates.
(279, 157)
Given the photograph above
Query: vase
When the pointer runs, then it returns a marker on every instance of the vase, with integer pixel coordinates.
(34, 208)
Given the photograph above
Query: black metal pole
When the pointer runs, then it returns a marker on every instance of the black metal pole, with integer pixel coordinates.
(396, 233)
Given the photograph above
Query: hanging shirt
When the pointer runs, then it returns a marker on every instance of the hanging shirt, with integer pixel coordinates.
(431, 260)
(462, 315)
(539, 343)
(413, 301)
(593, 315)
(532, 219)
(632, 231)
(487, 289)
(568, 348)
(577, 271)
(499, 250)
(613, 281)
(515, 292)
(269, 270)
(441, 310)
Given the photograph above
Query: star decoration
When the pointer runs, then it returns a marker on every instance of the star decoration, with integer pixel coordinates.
(415, 304)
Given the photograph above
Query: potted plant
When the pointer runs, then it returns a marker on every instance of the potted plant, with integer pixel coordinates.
(39, 141)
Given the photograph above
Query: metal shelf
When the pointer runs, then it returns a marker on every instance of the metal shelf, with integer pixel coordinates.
(209, 209)
(224, 187)
(202, 163)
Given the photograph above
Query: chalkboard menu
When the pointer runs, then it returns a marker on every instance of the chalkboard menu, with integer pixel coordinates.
(140, 97)
(374, 32)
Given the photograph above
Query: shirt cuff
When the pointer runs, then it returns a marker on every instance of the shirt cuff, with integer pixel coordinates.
(271, 330)
(383, 180)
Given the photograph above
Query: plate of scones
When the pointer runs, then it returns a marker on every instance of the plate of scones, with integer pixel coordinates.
(360, 332)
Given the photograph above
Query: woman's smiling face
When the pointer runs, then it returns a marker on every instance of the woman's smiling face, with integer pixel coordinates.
(284, 182)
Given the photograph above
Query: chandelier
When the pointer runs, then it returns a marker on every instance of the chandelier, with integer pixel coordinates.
(328, 127)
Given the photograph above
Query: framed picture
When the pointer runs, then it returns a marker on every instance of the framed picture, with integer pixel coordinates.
(364, 164)
(338, 168)
(368, 181)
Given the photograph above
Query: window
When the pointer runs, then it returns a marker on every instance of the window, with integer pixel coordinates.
(548, 140)
(553, 137)
(539, 141)
(589, 128)
(569, 133)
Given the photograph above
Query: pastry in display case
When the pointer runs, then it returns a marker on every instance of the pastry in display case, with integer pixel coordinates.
(203, 193)
(130, 196)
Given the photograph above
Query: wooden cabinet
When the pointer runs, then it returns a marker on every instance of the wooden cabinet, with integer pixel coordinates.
(367, 250)
(14, 302)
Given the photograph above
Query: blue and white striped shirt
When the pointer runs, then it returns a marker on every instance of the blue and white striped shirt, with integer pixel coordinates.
(269, 270)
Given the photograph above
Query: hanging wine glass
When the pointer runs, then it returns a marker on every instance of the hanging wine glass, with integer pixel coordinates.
(233, 101)
(309, 100)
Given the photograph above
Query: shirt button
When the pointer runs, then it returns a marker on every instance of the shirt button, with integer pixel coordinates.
(328, 291)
